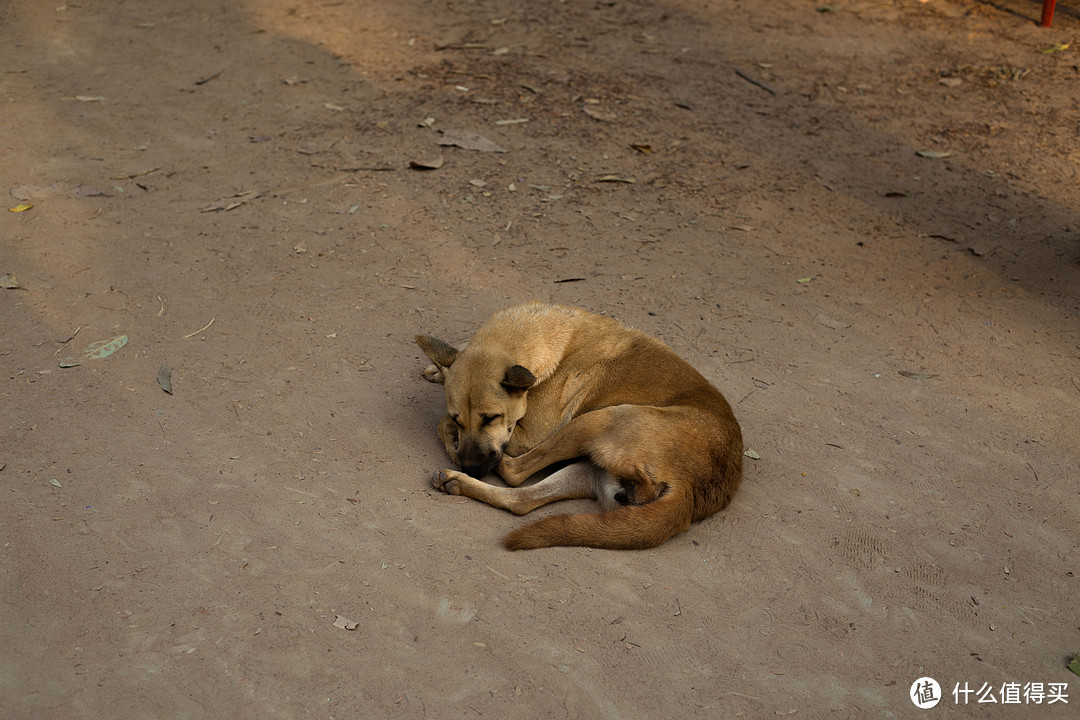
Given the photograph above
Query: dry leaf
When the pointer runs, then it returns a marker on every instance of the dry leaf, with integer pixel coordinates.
(469, 141)
(96, 351)
(429, 164)
(934, 154)
(597, 114)
(164, 378)
(345, 623)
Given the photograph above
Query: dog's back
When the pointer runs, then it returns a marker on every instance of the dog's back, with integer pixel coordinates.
(694, 440)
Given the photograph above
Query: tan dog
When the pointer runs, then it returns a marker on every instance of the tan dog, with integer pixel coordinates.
(542, 384)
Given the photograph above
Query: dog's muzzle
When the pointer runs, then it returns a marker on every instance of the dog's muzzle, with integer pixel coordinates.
(479, 469)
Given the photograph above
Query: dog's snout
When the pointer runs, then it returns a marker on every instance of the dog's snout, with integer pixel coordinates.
(475, 460)
(476, 471)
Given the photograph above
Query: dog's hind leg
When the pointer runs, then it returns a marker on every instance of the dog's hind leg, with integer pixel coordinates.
(626, 440)
(575, 481)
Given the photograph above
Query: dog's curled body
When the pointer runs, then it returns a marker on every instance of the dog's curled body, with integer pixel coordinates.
(540, 384)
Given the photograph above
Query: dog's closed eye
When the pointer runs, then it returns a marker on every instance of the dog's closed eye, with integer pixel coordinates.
(488, 419)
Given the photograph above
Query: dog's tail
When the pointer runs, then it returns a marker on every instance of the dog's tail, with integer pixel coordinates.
(632, 527)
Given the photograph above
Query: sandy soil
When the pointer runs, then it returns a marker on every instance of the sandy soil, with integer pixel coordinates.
(899, 336)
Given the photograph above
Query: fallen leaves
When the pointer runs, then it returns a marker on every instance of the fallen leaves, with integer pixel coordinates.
(164, 378)
(95, 351)
(345, 623)
(467, 140)
(427, 164)
(598, 114)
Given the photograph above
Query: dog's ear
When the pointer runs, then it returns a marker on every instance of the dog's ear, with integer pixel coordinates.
(440, 353)
(518, 380)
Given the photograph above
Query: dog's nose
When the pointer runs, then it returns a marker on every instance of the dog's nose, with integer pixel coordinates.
(476, 471)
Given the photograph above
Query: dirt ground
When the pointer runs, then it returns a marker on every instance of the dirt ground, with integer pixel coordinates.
(234, 188)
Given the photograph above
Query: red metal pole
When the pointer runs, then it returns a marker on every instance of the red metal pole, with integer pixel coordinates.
(1048, 12)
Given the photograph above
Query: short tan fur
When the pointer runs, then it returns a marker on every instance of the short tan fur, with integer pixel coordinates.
(654, 442)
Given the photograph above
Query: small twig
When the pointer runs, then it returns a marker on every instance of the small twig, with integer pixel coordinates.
(65, 341)
(162, 310)
(1033, 472)
(752, 81)
(191, 335)
(208, 78)
(497, 573)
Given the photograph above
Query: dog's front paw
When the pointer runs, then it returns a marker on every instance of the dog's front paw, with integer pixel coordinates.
(446, 481)
(434, 373)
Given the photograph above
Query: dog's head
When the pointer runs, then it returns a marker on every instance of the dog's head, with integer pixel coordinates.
(485, 399)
